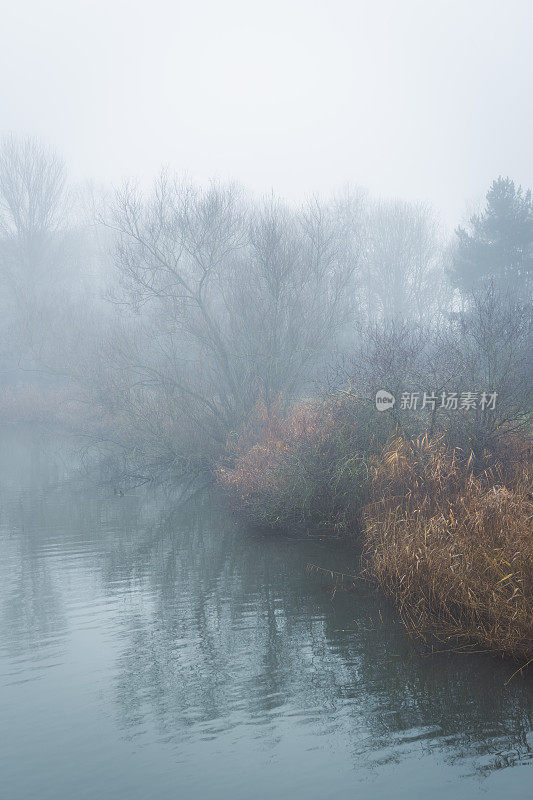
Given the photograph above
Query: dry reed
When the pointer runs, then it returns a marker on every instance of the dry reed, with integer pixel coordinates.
(452, 547)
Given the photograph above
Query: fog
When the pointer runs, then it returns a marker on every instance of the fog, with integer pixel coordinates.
(426, 101)
(266, 329)
(209, 209)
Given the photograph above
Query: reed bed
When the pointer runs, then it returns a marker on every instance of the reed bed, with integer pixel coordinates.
(452, 547)
(447, 535)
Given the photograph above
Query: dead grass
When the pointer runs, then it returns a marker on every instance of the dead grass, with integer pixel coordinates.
(455, 548)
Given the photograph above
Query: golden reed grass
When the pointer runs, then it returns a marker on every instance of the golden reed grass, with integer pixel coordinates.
(452, 547)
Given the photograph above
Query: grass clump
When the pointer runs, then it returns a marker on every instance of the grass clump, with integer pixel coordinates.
(453, 547)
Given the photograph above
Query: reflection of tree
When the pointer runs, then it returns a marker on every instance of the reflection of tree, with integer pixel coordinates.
(215, 629)
(234, 631)
(32, 613)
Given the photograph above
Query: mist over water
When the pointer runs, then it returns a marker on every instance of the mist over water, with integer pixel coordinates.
(152, 647)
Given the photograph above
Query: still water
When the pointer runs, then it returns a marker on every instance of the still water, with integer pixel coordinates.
(149, 647)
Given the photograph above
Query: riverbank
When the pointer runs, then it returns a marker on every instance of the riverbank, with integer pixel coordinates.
(446, 533)
(58, 404)
(156, 620)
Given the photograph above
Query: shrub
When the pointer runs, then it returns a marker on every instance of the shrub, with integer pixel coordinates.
(308, 467)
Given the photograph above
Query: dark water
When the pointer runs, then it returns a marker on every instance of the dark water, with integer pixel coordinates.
(150, 648)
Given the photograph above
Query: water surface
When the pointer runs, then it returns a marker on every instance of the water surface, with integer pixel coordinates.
(149, 647)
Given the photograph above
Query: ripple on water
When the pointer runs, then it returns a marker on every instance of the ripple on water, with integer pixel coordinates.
(152, 649)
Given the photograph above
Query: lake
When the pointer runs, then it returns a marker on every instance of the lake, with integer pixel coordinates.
(150, 646)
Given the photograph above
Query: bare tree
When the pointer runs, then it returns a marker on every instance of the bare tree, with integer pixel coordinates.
(174, 252)
(291, 299)
(32, 184)
(235, 302)
(403, 274)
(490, 344)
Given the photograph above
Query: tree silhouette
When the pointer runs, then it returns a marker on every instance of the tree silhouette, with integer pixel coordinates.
(497, 245)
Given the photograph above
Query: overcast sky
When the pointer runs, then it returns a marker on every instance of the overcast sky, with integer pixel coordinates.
(425, 99)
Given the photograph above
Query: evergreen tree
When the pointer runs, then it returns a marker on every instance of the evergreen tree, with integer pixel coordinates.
(497, 245)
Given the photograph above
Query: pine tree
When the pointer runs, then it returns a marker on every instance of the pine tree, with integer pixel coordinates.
(497, 245)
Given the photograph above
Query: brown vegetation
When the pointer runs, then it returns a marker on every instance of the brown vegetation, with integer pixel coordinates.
(448, 535)
(455, 548)
(305, 468)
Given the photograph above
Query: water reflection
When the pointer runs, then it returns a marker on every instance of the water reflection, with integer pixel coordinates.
(184, 632)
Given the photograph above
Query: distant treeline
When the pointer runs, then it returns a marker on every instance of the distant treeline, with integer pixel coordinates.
(167, 316)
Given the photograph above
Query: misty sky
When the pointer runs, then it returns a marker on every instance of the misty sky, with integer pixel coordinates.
(425, 99)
